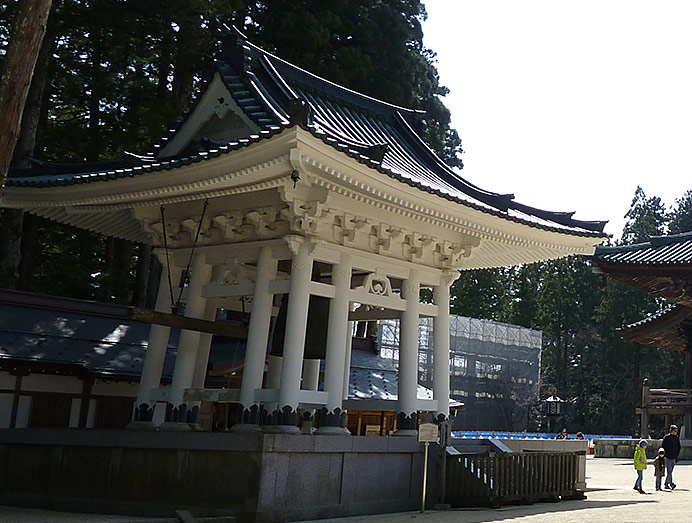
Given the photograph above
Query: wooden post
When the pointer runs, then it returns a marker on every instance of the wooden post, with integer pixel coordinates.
(16, 396)
(87, 385)
(644, 429)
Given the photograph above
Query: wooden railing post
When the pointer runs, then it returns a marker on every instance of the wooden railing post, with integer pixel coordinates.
(644, 421)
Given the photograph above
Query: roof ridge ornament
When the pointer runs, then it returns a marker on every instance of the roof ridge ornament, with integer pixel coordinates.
(300, 113)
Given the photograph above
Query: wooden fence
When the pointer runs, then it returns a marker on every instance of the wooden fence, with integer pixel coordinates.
(499, 479)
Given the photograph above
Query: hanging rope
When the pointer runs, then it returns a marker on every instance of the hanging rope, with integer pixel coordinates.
(186, 273)
(168, 261)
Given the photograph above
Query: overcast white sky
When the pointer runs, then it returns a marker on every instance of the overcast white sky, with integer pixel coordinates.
(569, 105)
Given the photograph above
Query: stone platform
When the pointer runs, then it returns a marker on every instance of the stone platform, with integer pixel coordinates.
(256, 477)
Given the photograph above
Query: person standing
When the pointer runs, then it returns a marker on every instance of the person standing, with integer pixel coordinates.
(671, 445)
(660, 467)
(640, 464)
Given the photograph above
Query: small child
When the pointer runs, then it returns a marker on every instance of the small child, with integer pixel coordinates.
(660, 467)
(640, 464)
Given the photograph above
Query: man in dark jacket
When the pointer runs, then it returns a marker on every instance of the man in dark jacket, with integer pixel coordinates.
(671, 444)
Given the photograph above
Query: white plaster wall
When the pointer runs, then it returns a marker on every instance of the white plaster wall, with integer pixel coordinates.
(5, 410)
(111, 388)
(74, 413)
(51, 383)
(23, 412)
(7, 381)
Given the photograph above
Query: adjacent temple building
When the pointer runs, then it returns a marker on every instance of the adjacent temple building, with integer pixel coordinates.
(299, 201)
(661, 267)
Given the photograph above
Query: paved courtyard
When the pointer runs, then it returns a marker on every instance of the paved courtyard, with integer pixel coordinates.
(610, 500)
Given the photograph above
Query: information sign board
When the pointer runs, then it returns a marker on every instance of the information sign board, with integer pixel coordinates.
(427, 432)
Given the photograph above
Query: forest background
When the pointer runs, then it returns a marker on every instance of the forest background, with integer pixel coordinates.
(113, 75)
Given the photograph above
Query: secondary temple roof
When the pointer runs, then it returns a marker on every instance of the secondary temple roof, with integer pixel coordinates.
(670, 328)
(269, 95)
(661, 267)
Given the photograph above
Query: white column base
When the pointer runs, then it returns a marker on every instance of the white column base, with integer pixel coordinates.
(406, 432)
(141, 425)
(245, 428)
(176, 426)
(281, 429)
(332, 431)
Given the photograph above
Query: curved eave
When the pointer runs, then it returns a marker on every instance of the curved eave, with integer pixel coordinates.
(478, 206)
(644, 268)
(159, 165)
(672, 250)
(538, 241)
(669, 329)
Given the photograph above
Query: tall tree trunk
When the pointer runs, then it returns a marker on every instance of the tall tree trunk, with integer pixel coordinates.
(12, 220)
(155, 270)
(29, 252)
(121, 271)
(139, 295)
(189, 36)
(94, 148)
(20, 60)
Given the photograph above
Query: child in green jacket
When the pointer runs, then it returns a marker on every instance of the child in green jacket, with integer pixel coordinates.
(640, 464)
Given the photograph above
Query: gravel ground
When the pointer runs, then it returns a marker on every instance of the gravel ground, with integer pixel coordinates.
(612, 500)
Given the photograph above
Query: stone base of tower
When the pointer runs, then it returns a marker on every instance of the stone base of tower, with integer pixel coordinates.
(256, 477)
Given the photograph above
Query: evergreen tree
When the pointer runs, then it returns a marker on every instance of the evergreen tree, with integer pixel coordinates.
(372, 47)
(680, 217)
(645, 218)
(481, 294)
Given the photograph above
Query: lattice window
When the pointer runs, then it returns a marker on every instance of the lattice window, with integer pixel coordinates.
(50, 410)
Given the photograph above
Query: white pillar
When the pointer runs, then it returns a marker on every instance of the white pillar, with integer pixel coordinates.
(202, 359)
(441, 349)
(311, 381)
(189, 341)
(273, 380)
(294, 338)
(408, 357)
(156, 352)
(311, 374)
(332, 418)
(347, 355)
(257, 338)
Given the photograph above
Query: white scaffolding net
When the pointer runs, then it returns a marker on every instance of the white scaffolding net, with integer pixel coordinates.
(491, 364)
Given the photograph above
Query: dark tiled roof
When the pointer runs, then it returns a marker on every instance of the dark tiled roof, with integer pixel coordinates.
(670, 328)
(88, 335)
(380, 135)
(127, 168)
(374, 378)
(55, 332)
(674, 249)
(99, 345)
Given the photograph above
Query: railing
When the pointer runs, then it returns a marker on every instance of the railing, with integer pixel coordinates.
(667, 398)
(488, 434)
(499, 479)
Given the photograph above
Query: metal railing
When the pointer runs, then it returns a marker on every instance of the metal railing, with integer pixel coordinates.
(499, 479)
